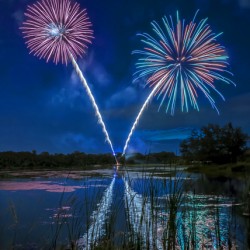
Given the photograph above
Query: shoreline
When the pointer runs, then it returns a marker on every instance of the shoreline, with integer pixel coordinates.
(237, 170)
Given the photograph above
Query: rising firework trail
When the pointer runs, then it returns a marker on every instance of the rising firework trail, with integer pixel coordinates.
(180, 61)
(60, 31)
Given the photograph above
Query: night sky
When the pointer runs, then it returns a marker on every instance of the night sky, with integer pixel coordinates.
(44, 107)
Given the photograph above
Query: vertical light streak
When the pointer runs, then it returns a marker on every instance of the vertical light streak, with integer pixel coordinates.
(140, 217)
(97, 112)
(138, 118)
(99, 216)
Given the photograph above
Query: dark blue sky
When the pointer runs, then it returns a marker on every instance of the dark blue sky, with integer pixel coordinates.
(44, 107)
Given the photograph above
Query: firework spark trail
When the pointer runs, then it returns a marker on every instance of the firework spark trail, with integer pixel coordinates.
(182, 61)
(138, 118)
(59, 30)
(97, 112)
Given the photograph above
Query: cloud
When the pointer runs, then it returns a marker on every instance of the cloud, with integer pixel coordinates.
(72, 94)
(69, 95)
(124, 98)
(164, 135)
(100, 75)
(147, 141)
(74, 78)
(244, 3)
(19, 17)
(137, 144)
(78, 142)
(96, 72)
(236, 110)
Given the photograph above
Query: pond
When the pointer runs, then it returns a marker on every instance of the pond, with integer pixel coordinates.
(155, 207)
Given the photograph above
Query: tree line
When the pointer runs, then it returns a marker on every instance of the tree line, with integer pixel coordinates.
(45, 160)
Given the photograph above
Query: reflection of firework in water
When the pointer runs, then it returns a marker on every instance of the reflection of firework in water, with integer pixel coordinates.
(97, 229)
(56, 29)
(59, 30)
(181, 60)
(200, 221)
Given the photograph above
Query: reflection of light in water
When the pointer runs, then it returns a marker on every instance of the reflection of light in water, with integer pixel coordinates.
(99, 216)
(213, 221)
(208, 217)
(140, 217)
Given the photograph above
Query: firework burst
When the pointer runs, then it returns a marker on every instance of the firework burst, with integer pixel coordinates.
(182, 60)
(178, 62)
(55, 29)
(60, 30)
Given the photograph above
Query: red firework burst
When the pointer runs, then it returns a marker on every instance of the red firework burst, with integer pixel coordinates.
(56, 29)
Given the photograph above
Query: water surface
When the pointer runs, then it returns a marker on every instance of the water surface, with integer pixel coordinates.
(53, 208)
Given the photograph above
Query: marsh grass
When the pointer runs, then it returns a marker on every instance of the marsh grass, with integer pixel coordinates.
(174, 220)
(15, 222)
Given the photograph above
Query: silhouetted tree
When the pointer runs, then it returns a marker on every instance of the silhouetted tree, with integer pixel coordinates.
(214, 143)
